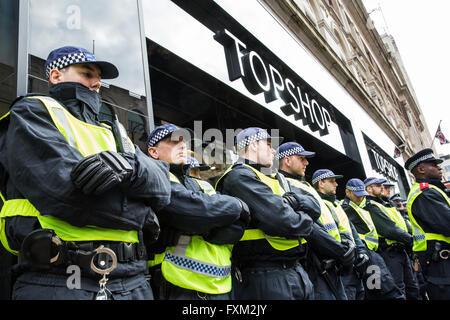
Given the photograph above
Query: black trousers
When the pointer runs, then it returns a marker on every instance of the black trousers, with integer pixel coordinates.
(273, 283)
(378, 281)
(437, 279)
(399, 264)
(48, 286)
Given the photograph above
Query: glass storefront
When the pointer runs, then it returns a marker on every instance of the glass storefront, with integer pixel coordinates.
(9, 21)
(108, 28)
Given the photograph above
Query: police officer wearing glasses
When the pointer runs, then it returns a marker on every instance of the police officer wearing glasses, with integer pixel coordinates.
(429, 211)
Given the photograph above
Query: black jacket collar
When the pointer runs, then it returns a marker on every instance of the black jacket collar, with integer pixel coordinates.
(292, 176)
(434, 182)
(77, 98)
(331, 198)
(256, 166)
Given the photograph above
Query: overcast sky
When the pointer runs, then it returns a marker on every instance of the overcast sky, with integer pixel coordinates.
(421, 32)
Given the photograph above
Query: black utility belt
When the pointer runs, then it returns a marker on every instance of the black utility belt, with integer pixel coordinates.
(43, 249)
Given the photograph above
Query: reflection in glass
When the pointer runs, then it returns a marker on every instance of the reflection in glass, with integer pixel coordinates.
(9, 17)
(109, 28)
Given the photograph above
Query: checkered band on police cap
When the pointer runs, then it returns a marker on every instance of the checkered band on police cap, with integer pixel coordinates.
(67, 60)
(259, 135)
(325, 175)
(421, 159)
(289, 152)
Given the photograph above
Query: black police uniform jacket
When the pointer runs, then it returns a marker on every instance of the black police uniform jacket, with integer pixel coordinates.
(386, 228)
(320, 241)
(430, 209)
(36, 161)
(269, 213)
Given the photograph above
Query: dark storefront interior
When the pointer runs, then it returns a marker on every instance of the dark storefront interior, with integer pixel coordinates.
(182, 94)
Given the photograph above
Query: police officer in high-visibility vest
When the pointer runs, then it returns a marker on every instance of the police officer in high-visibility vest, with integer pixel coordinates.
(77, 196)
(328, 251)
(198, 228)
(429, 211)
(394, 239)
(324, 181)
(377, 279)
(194, 172)
(266, 260)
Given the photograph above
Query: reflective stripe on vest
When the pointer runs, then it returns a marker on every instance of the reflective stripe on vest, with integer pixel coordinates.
(278, 243)
(343, 222)
(420, 237)
(196, 264)
(87, 139)
(394, 216)
(371, 237)
(205, 186)
(326, 217)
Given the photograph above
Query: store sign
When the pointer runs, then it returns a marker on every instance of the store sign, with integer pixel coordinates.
(260, 76)
(382, 165)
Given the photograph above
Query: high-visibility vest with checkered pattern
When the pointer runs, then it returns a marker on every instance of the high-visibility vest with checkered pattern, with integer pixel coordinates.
(325, 217)
(197, 264)
(88, 139)
(420, 237)
(278, 243)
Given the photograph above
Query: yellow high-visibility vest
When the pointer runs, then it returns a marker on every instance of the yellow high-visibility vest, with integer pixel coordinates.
(420, 237)
(278, 243)
(88, 139)
(196, 264)
(325, 217)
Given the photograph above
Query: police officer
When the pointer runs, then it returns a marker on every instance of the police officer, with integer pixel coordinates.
(429, 211)
(394, 239)
(273, 244)
(71, 196)
(198, 228)
(194, 172)
(324, 181)
(330, 252)
(377, 279)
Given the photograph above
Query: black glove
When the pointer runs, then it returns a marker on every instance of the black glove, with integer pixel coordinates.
(348, 258)
(304, 203)
(361, 263)
(100, 172)
(245, 212)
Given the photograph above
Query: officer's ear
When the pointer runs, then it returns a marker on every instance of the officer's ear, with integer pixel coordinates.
(153, 152)
(55, 77)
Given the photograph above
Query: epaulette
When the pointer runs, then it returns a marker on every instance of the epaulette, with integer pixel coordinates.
(424, 185)
(26, 96)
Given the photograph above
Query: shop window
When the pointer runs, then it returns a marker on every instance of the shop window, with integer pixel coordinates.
(136, 128)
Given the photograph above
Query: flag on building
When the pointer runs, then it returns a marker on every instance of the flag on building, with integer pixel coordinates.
(440, 135)
(397, 152)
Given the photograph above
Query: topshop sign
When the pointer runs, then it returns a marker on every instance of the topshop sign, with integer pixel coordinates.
(260, 76)
(382, 165)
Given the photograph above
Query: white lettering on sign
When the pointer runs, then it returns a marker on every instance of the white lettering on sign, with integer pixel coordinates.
(384, 166)
(259, 76)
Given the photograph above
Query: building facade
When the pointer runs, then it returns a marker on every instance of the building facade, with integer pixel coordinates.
(316, 70)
